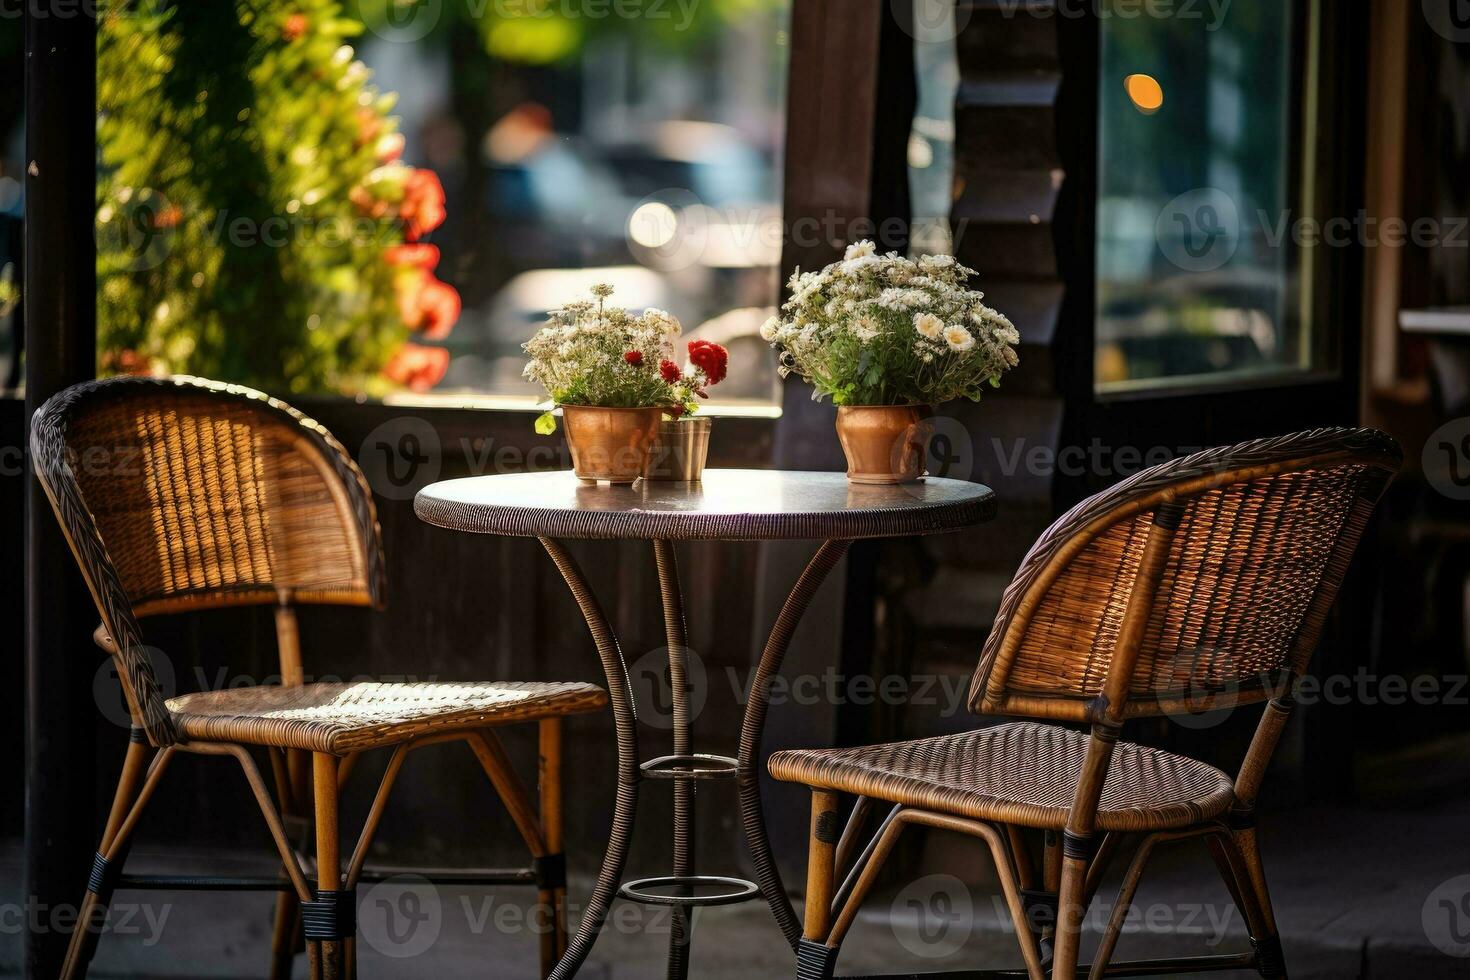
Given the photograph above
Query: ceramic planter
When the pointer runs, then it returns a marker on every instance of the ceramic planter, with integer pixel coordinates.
(885, 444)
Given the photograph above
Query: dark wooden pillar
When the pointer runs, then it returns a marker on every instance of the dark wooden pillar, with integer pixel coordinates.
(850, 107)
(61, 321)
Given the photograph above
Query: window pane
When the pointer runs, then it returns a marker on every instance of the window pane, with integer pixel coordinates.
(931, 142)
(635, 144)
(1195, 275)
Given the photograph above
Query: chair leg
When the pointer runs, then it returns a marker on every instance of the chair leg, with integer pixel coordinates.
(1244, 859)
(111, 852)
(1109, 942)
(329, 919)
(286, 921)
(815, 959)
(552, 896)
(1070, 912)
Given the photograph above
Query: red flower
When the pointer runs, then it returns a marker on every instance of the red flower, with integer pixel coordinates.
(674, 411)
(427, 305)
(670, 371)
(634, 357)
(295, 27)
(710, 358)
(440, 306)
(422, 208)
(416, 367)
(420, 256)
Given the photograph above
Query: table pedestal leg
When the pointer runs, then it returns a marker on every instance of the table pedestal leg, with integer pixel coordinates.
(629, 769)
(753, 724)
(626, 722)
(684, 790)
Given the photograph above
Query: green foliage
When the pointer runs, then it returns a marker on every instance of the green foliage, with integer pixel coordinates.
(543, 32)
(231, 134)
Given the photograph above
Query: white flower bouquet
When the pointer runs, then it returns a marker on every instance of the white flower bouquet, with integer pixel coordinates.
(613, 375)
(590, 354)
(886, 330)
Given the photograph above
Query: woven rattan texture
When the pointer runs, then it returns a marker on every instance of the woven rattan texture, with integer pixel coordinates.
(1243, 571)
(1020, 773)
(349, 717)
(179, 492)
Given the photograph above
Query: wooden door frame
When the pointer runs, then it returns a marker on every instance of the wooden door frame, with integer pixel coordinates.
(60, 349)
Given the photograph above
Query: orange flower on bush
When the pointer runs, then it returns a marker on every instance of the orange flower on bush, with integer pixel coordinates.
(168, 217)
(366, 203)
(390, 147)
(437, 309)
(416, 256)
(369, 125)
(417, 367)
(426, 304)
(295, 27)
(422, 207)
(127, 361)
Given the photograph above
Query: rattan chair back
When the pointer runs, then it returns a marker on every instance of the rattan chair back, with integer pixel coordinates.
(1234, 600)
(181, 493)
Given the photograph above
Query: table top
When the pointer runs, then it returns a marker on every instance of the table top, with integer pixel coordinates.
(1444, 321)
(730, 505)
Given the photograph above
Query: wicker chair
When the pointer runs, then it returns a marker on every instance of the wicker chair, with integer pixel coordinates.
(1203, 583)
(185, 494)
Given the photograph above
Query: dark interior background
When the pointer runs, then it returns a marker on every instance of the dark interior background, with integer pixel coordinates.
(461, 607)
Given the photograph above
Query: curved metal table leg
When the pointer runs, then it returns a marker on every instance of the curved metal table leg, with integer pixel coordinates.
(626, 720)
(753, 724)
(684, 790)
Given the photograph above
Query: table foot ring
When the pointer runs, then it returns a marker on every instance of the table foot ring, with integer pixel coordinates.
(736, 890)
(693, 766)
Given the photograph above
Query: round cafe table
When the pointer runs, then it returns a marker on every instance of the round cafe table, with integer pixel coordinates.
(729, 505)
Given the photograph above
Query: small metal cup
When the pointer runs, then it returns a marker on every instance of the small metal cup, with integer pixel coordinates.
(679, 451)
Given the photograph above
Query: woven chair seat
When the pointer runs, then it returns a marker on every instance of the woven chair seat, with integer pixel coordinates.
(1021, 773)
(349, 717)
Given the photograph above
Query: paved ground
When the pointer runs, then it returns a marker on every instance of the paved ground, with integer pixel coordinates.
(1356, 892)
(1378, 890)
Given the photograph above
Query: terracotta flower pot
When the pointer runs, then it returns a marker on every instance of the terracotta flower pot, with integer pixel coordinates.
(610, 445)
(680, 451)
(884, 444)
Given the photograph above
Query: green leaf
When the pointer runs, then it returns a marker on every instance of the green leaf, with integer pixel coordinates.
(545, 423)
